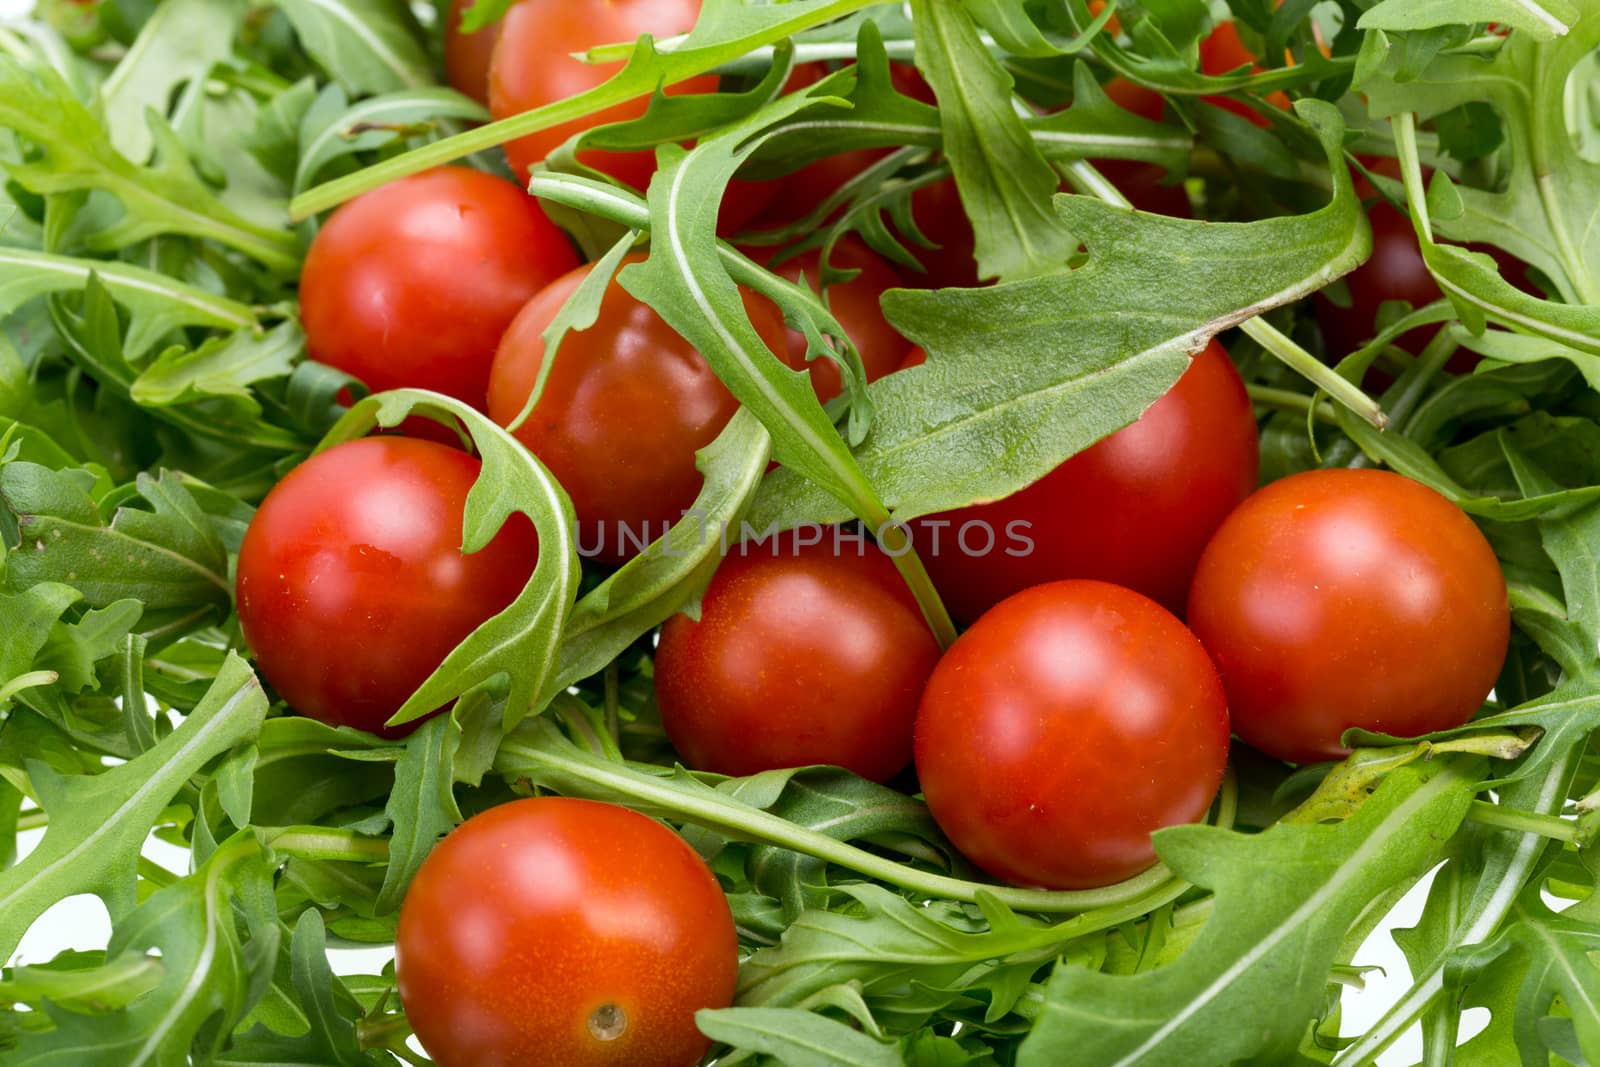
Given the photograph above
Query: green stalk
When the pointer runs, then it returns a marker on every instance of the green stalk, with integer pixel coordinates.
(522, 757)
(1291, 401)
(324, 843)
(1087, 180)
(1527, 822)
(618, 89)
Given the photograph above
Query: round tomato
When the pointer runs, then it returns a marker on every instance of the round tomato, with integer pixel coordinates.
(565, 933)
(803, 653)
(1136, 509)
(858, 305)
(467, 55)
(1063, 728)
(1131, 96)
(624, 409)
(1349, 598)
(411, 285)
(533, 66)
(352, 586)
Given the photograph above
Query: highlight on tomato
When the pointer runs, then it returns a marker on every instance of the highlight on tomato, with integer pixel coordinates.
(1071, 721)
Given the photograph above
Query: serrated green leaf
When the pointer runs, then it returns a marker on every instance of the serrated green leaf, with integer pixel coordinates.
(330, 128)
(221, 367)
(1247, 985)
(799, 1038)
(368, 46)
(1544, 19)
(99, 823)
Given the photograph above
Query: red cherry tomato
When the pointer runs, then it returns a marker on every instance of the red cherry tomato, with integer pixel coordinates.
(1135, 509)
(625, 408)
(533, 66)
(565, 933)
(1063, 728)
(412, 284)
(1342, 598)
(1130, 96)
(467, 55)
(914, 358)
(804, 653)
(1222, 52)
(352, 586)
(857, 304)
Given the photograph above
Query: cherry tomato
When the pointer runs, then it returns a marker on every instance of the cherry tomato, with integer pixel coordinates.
(914, 358)
(1146, 187)
(804, 653)
(564, 933)
(412, 284)
(352, 586)
(467, 55)
(1062, 729)
(1135, 509)
(533, 66)
(626, 406)
(857, 304)
(1222, 52)
(1342, 598)
(1130, 96)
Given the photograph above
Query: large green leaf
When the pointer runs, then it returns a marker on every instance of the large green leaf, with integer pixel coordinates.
(368, 46)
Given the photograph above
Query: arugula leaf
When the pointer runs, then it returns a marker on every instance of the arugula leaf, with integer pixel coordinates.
(1005, 183)
(181, 42)
(221, 367)
(800, 1038)
(99, 822)
(331, 128)
(1284, 899)
(987, 415)
(367, 46)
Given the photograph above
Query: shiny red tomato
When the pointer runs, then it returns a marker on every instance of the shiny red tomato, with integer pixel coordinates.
(626, 406)
(803, 654)
(412, 284)
(352, 586)
(1130, 96)
(1068, 724)
(1342, 598)
(564, 933)
(857, 304)
(467, 55)
(1136, 509)
(533, 66)
(940, 216)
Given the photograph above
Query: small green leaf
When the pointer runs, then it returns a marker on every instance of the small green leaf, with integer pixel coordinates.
(368, 46)
(797, 1038)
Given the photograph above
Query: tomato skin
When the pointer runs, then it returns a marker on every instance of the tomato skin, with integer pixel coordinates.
(1063, 728)
(533, 66)
(1341, 598)
(1136, 509)
(352, 586)
(475, 249)
(1222, 52)
(626, 406)
(801, 655)
(857, 304)
(940, 215)
(1131, 96)
(467, 55)
(534, 914)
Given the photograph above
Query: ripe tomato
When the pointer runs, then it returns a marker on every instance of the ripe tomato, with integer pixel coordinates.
(412, 284)
(467, 55)
(1341, 598)
(1063, 728)
(1222, 52)
(1130, 96)
(1136, 509)
(533, 66)
(802, 655)
(1146, 187)
(625, 408)
(566, 933)
(857, 304)
(352, 586)
(939, 214)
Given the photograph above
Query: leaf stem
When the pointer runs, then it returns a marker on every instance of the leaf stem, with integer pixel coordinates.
(31, 680)
(32, 820)
(1289, 400)
(324, 843)
(521, 757)
(1528, 822)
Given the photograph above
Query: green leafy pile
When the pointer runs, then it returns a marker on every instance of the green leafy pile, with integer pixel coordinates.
(162, 162)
